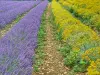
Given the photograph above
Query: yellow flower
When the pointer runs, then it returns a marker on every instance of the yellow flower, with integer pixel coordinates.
(84, 8)
(94, 68)
(76, 33)
(92, 53)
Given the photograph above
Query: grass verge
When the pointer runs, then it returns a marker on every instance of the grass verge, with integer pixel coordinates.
(39, 53)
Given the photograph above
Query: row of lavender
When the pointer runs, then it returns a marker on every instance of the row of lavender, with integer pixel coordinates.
(18, 45)
(22, 0)
(4, 7)
(10, 12)
(4, 3)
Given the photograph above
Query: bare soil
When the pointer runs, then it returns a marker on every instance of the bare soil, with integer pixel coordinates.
(53, 61)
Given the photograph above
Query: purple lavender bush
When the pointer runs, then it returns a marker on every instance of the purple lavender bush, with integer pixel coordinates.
(4, 3)
(18, 45)
(9, 16)
(8, 7)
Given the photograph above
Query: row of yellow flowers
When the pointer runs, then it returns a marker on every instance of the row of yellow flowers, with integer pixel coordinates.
(79, 36)
(86, 9)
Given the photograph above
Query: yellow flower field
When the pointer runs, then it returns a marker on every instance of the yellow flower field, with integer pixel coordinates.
(84, 41)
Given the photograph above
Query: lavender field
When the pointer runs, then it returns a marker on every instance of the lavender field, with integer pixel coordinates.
(49, 37)
(18, 45)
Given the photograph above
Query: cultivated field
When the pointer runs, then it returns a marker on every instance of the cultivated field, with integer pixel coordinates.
(50, 37)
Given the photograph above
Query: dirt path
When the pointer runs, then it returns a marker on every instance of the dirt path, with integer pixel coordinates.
(53, 62)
